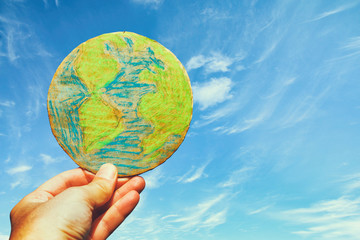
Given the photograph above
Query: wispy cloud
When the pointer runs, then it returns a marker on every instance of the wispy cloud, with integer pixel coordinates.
(11, 35)
(57, 3)
(193, 174)
(153, 178)
(217, 114)
(214, 14)
(215, 62)
(151, 3)
(228, 108)
(267, 52)
(337, 218)
(7, 160)
(257, 117)
(332, 219)
(19, 169)
(259, 210)
(7, 103)
(20, 44)
(303, 108)
(333, 11)
(47, 159)
(15, 184)
(352, 46)
(19, 40)
(4, 237)
(206, 214)
(351, 183)
(237, 177)
(46, 4)
(210, 93)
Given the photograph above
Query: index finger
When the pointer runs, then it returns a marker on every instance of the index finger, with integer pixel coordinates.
(71, 178)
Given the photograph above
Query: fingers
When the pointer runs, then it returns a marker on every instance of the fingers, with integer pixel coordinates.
(71, 178)
(114, 216)
(101, 189)
(135, 183)
(65, 180)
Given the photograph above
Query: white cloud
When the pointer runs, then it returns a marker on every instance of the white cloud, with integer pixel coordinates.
(329, 219)
(237, 177)
(205, 214)
(57, 3)
(252, 121)
(151, 3)
(19, 41)
(264, 55)
(353, 43)
(47, 159)
(10, 46)
(153, 178)
(210, 93)
(332, 219)
(240, 67)
(4, 237)
(217, 114)
(7, 160)
(260, 210)
(46, 4)
(7, 103)
(214, 14)
(302, 108)
(242, 98)
(193, 174)
(196, 62)
(15, 184)
(216, 219)
(332, 12)
(353, 46)
(216, 62)
(351, 183)
(18, 169)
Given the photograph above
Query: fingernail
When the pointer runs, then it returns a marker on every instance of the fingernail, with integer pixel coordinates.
(107, 171)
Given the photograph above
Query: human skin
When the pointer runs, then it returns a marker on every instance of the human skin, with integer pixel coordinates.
(76, 204)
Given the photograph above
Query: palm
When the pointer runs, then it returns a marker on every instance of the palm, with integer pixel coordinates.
(61, 199)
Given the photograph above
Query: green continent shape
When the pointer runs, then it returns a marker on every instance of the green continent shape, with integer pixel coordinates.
(99, 124)
(96, 69)
(173, 98)
(93, 66)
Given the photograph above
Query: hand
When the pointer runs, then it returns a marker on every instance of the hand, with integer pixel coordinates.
(76, 204)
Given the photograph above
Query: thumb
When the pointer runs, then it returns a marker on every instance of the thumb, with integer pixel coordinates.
(100, 190)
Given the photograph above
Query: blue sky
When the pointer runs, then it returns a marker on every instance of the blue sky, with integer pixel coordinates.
(273, 147)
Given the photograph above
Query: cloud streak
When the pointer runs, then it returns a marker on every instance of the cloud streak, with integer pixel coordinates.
(210, 93)
(153, 178)
(47, 159)
(216, 62)
(332, 12)
(152, 3)
(332, 219)
(337, 218)
(204, 215)
(237, 177)
(19, 169)
(7, 103)
(193, 174)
